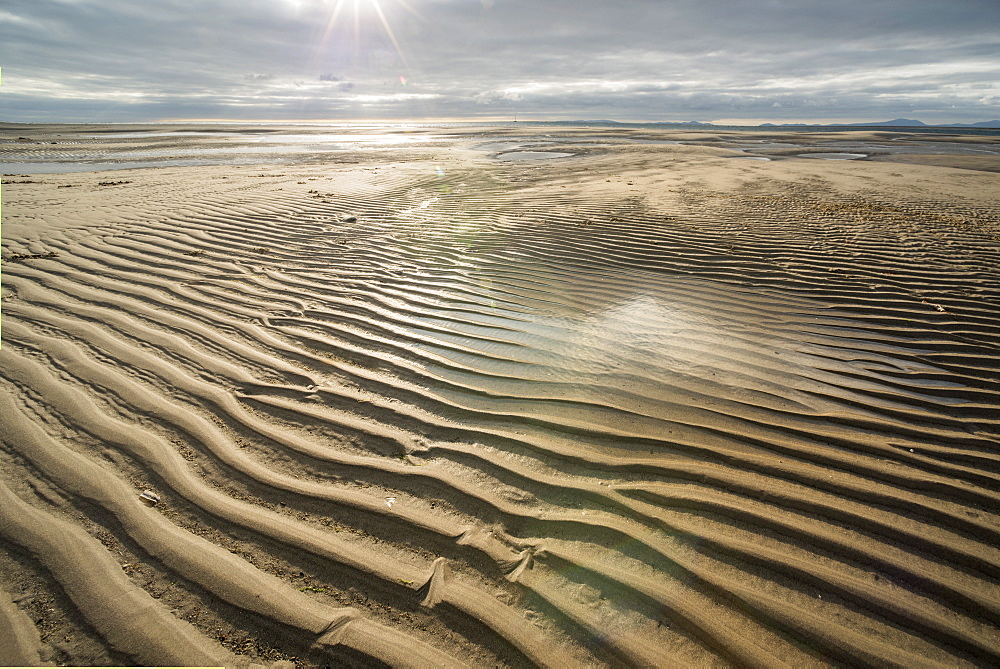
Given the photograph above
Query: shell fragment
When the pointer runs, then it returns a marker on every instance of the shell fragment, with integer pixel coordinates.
(149, 497)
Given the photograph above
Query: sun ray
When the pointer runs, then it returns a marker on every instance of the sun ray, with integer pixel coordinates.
(333, 21)
(388, 31)
(408, 7)
(357, 26)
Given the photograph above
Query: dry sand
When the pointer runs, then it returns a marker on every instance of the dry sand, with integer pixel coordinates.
(648, 405)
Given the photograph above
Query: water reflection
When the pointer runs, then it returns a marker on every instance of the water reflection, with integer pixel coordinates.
(613, 356)
(103, 152)
(834, 156)
(532, 155)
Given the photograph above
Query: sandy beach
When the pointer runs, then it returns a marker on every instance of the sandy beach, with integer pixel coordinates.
(499, 396)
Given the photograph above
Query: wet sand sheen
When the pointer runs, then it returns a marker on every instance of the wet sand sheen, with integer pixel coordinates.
(640, 406)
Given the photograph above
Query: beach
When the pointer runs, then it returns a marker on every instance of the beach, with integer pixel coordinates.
(499, 396)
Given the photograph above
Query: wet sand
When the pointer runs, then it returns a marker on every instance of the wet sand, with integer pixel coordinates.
(405, 401)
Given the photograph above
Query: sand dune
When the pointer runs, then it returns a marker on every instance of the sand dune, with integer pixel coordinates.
(405, 403)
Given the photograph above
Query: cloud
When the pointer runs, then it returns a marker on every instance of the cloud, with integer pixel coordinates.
(636, 60)
(489, 97)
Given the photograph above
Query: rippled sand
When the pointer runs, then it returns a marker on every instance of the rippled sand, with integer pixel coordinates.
(406, 402)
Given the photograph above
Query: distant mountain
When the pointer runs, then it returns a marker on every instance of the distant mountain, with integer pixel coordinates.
(981, 124)
(895, 123)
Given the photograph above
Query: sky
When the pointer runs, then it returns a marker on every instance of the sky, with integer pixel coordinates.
(722, 61)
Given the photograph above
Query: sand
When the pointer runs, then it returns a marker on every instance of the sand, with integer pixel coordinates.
(408, 403)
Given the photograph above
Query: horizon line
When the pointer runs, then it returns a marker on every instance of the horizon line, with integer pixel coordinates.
(499, 120)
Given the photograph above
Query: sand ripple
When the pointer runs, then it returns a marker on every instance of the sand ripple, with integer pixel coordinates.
(443, 419)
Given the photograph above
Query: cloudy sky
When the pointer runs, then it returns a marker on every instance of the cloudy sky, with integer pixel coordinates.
(630, 60)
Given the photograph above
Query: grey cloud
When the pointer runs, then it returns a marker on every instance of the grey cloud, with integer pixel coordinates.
(634, 59)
